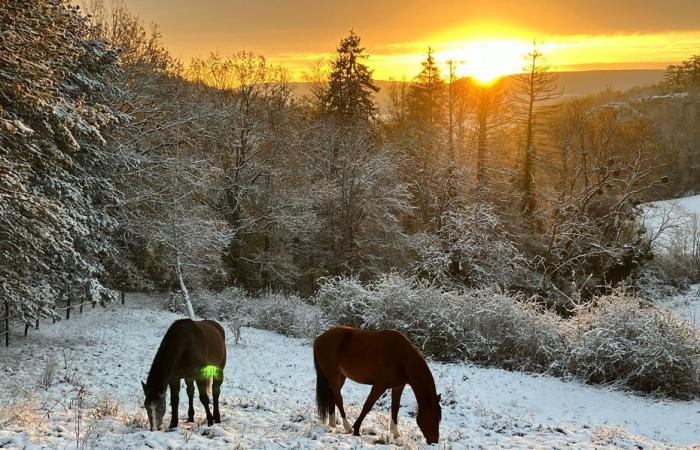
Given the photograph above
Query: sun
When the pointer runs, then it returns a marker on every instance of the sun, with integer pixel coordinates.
(487, 60)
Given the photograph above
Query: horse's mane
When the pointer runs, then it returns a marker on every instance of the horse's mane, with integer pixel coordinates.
(166, 355)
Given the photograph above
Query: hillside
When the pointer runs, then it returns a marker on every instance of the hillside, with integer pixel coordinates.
(94, 399)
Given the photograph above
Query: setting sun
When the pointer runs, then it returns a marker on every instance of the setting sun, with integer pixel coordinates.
(487, 60)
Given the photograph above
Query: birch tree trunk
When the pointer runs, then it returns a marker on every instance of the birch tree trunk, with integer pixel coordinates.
(185, 293)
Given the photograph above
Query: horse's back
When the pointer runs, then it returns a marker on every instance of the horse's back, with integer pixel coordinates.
(203, 342)
(372, 338)
(365, 356)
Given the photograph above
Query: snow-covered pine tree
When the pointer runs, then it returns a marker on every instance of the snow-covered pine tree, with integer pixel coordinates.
(55, 200)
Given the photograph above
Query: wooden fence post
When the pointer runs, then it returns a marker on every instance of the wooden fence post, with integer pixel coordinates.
(26, 328)
(7, 324)
(81, 307)
(68, 310)
(37, 323)
(123, 295)
(54, 313)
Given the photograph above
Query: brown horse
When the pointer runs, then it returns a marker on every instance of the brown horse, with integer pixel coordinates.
(386, 360)
(195, 351)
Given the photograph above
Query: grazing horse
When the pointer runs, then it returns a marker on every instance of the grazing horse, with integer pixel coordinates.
(195, 351)
(386, 360)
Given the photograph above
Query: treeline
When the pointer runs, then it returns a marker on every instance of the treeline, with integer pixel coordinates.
(136, 172)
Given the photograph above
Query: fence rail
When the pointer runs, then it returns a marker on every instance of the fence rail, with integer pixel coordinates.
(7, 330)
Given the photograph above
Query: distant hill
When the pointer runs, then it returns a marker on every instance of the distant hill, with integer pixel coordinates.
(574, 84)
(592, 81)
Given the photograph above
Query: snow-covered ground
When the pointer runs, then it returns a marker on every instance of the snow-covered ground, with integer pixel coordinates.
(268, 398)
(671, 218)
(685, 305)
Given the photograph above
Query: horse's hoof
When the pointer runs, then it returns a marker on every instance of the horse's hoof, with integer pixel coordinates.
(356, 433)
(217, 420)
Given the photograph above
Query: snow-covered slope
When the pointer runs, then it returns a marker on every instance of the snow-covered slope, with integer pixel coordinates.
(671, 217)
(268, 398)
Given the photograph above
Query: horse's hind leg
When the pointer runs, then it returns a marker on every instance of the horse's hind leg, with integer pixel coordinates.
(331, 418)
(204, 398)
(374, 394)
(395, 405)
(336, 386)
(216, 391)
(190, 396)
(174, 402)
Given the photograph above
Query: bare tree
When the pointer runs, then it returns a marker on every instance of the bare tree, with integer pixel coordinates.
(533, 94)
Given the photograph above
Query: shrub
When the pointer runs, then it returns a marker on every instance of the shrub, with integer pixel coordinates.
(472, 248)
(483, 325)
(615, 339)
(627, 341)
(431, 319)
(512, 332)
(285, 314)
(343, 300)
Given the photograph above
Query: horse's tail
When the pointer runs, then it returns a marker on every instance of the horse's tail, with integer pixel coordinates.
(325, 404)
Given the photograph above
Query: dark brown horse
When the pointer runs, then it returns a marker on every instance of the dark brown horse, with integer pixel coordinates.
(386, 360)
(195, 351)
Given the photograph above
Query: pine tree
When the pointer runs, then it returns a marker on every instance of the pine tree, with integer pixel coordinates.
(428, 93)
(351, 87)
(57, 201)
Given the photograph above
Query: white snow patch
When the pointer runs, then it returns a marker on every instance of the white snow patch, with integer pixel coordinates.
(668, 218)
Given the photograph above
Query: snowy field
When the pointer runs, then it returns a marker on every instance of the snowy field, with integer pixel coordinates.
(268, 398)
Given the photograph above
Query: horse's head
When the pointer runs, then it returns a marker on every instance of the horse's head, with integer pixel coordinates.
(428, 420)
(154, 404)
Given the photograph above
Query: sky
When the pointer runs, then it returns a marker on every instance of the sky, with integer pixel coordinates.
(482, 36)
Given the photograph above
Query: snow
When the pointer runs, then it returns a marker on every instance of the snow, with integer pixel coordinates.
(686, 305)
(268, 398)
(680, 213)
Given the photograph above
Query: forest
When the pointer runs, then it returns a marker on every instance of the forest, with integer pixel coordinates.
(491, 222)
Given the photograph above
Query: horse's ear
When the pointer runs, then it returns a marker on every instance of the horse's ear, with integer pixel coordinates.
(143, 385)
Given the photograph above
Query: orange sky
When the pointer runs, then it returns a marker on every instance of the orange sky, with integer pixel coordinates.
(492, 34)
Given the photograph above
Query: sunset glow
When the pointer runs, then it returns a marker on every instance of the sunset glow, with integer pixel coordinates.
(486, 60)
(486, 39)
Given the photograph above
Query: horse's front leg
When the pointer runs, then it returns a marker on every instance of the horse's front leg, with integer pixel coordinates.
(190, 396)
(174, 402)
(374, 394)
(204, 398)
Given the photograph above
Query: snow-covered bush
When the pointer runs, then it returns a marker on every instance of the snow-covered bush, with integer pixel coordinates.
(483, 325)
(619, 339)
(512, 332)
(625, 340)
(471, 248)
(343, 300)
(432, 319)
(282, 313)
(288, 315)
